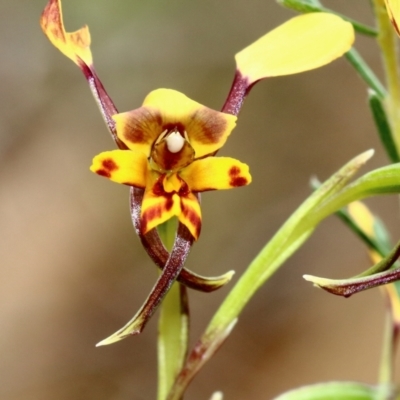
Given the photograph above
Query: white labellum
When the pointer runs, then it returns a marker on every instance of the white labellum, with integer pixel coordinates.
(175, 142)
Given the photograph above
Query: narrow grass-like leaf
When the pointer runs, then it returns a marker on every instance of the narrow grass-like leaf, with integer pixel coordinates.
(285, 242)
(365, 72)
(385, 180)
(331, 391)
(383, 126)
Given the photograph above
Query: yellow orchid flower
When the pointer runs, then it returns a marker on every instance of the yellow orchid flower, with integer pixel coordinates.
(171, 140)
(167, 147)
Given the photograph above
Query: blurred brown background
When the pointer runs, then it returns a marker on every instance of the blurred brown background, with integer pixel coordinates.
(72, 270)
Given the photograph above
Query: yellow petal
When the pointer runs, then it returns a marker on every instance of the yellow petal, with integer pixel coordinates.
(305, 42)
(139, 128)
(172, 183)
(75, 45)
(393, 10)
(122, 166)
(213, 173)
(190, 214)
(158, 206)
(207, 129)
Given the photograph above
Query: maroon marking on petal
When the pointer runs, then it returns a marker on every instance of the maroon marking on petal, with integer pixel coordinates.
(158, 188)
(169, 203)
(103, 172)
(176, 126)
(236, 179)
(156, 211)
(192, 216)
(239, 181)
(209, 126)
(184, 190)
(234, 171)
(143, 126)
(109, 165)
(395, 26)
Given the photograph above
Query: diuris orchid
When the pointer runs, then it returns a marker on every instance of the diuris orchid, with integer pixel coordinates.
(171, 140)
(167, 146)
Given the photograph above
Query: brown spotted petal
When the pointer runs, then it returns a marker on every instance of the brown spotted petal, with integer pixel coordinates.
(139, 128)
(158, 253)
(207, 129)
(122, 166)
(213, 173)
(158, 206)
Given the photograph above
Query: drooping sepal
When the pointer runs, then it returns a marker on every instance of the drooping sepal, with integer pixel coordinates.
(168, 276)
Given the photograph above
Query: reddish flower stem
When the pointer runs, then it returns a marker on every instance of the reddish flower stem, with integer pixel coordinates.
(239, 90)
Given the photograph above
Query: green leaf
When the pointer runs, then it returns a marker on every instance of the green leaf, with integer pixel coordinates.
(385, 180)
(286, 241)
(383, 126)
(331, 391)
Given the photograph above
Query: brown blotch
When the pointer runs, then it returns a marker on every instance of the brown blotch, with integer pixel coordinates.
(235, 179)
(208, 126)
(395, 26)
(156, 211)
(193, 218)
(109, 165)
(103, 172)
(142, 125)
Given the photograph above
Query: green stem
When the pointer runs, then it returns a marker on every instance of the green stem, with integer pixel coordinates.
(371, 243)
(365, 72)
(173, 326)
(387, 42)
